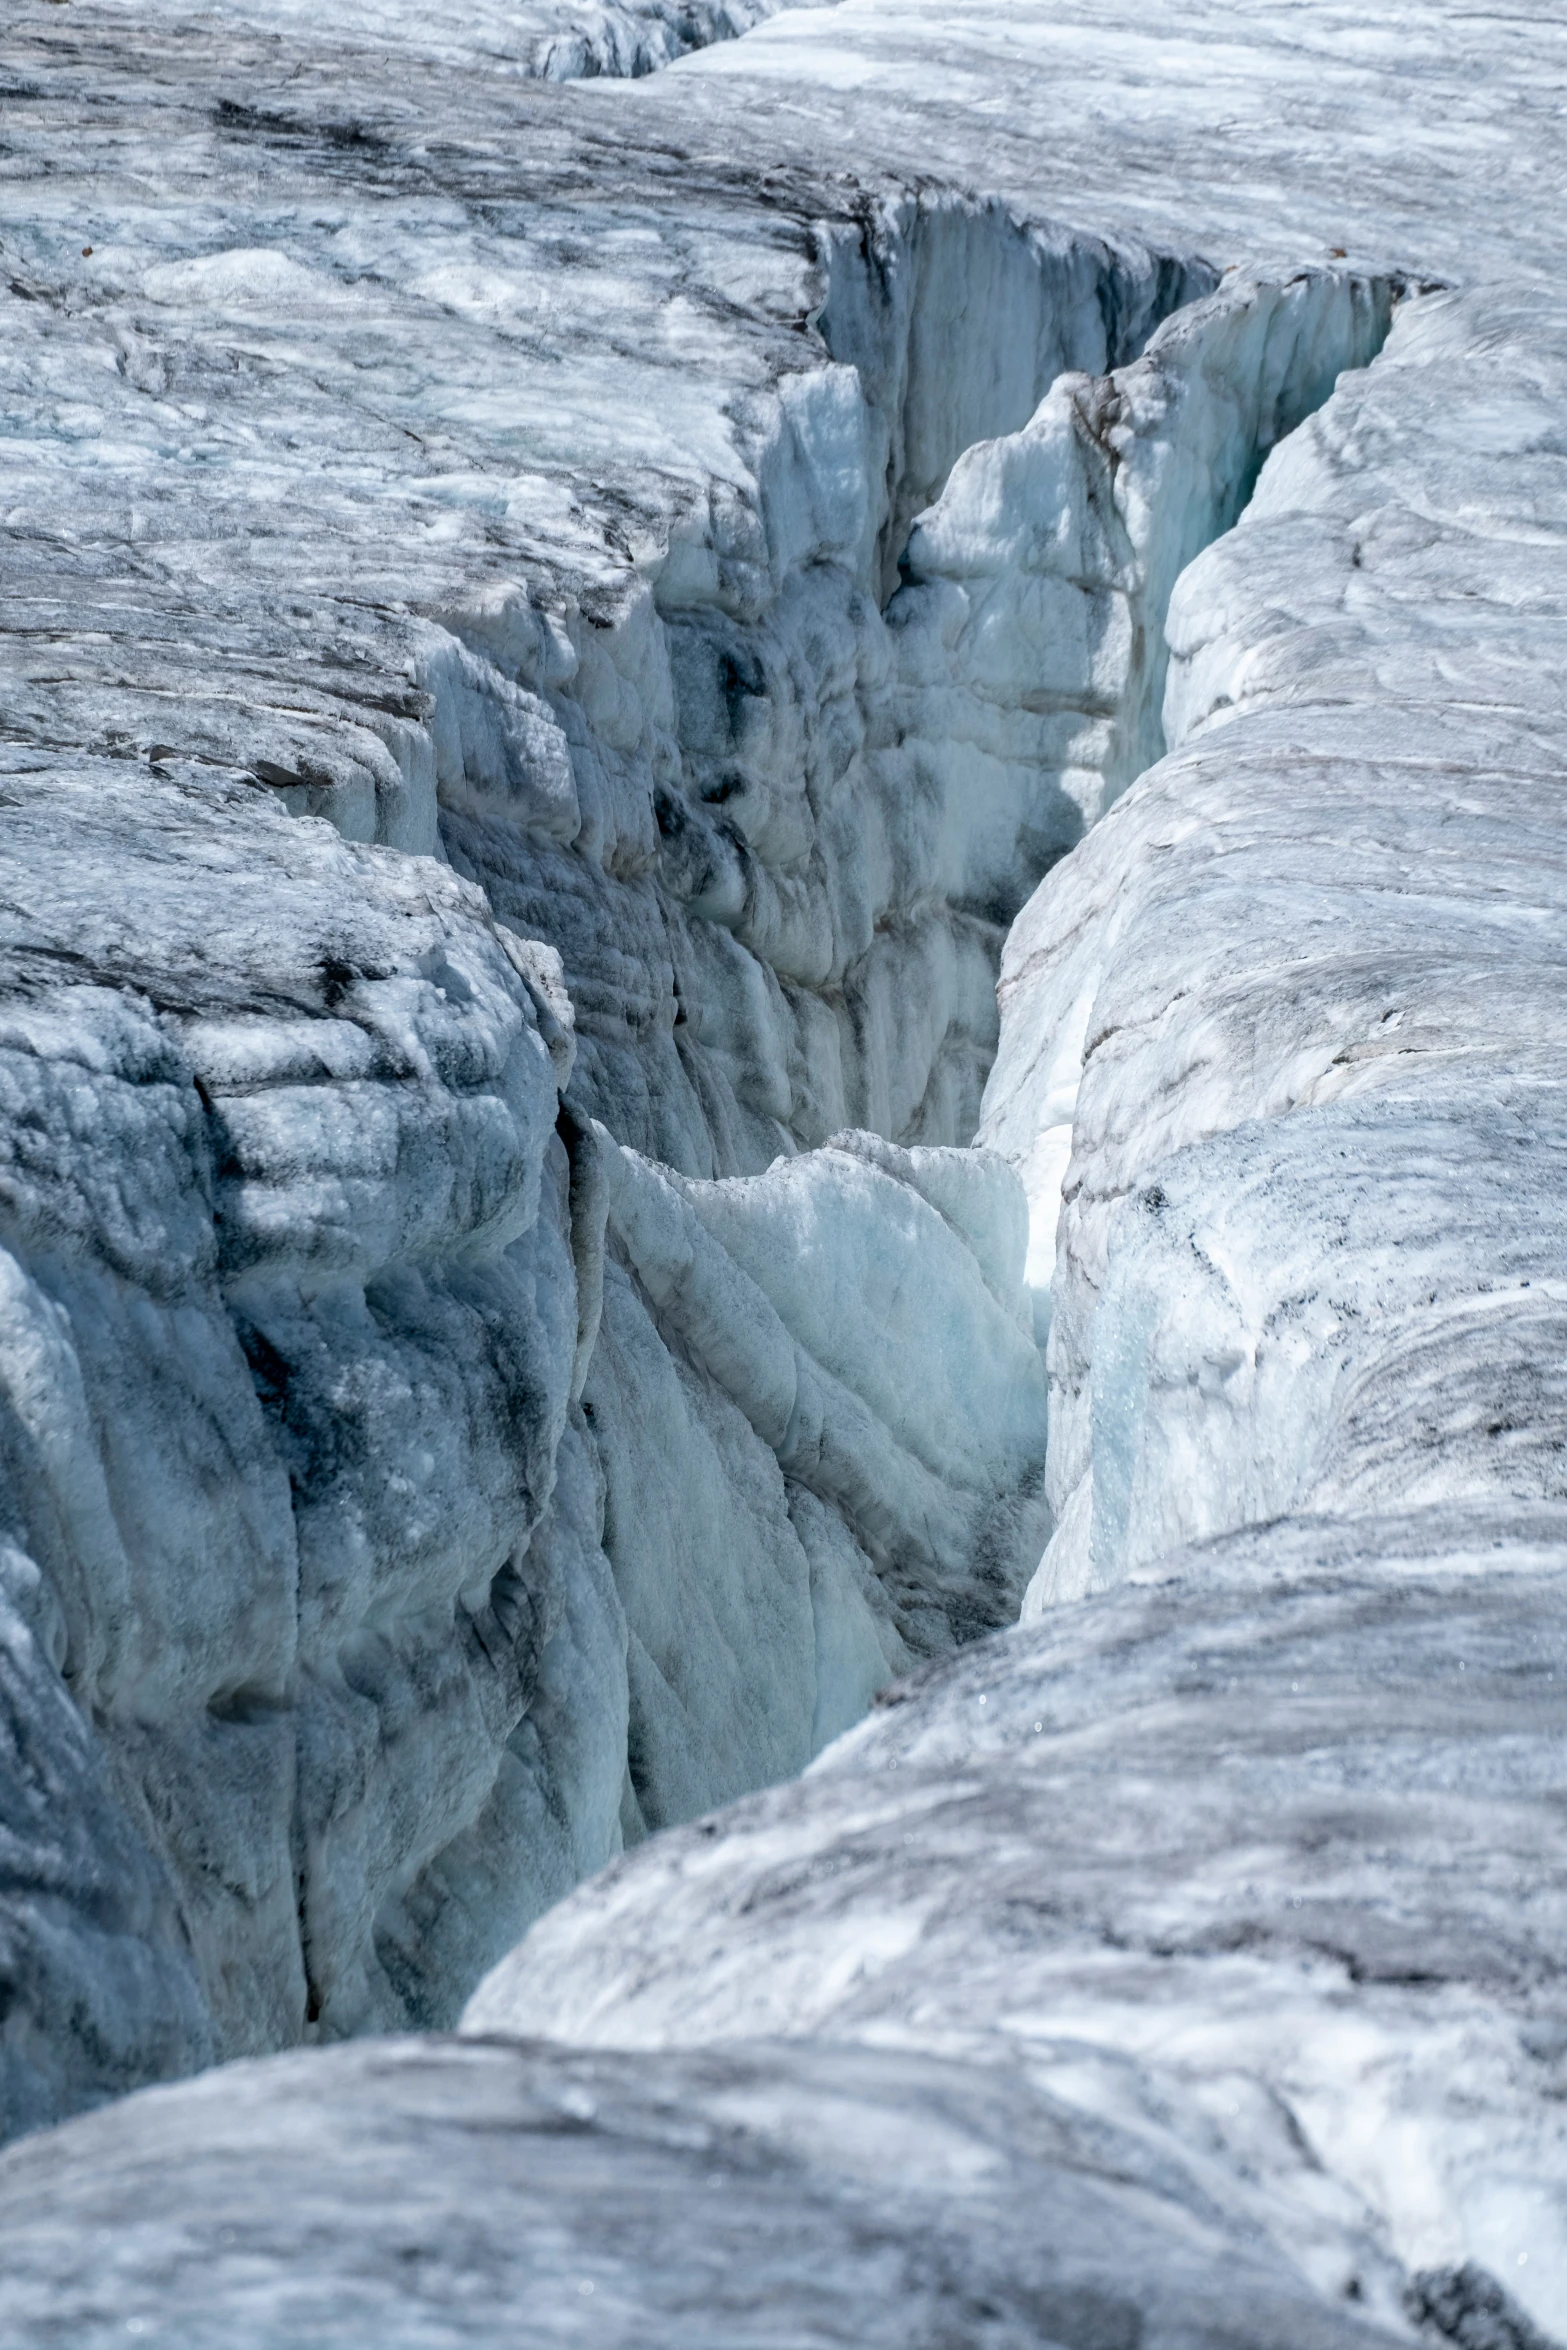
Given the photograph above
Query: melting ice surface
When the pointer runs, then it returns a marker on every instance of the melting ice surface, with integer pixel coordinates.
(559, 643)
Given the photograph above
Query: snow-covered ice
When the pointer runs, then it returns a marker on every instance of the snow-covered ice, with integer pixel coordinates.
(560, 636)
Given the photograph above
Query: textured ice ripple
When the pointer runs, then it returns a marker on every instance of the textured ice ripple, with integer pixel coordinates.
(753, 2194)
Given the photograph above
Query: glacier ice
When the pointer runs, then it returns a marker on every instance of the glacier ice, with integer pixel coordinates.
(558, 638)
(721, 2197)
(1251, 1859)
(298, 1276)
(567, 1510)
(552, 43)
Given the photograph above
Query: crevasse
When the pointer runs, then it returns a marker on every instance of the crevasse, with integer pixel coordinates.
(1254, 1852)
(621, 1362)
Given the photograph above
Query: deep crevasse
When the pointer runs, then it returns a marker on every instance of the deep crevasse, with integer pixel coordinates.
(567, 1505)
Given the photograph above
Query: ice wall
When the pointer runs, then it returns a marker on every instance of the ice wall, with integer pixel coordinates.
(1308, 1245)
(774, 923)
(777, 829)
(284, 1383)
(305, 1515)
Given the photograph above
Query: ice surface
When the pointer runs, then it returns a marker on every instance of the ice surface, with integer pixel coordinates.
(1420, 135)
(719, 2199)
(550, 632)
(532, 37)
(1253, 1860)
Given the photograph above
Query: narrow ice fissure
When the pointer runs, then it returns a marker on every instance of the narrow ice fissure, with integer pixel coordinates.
(773, 812)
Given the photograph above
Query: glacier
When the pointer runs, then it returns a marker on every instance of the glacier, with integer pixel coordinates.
(780, 879)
